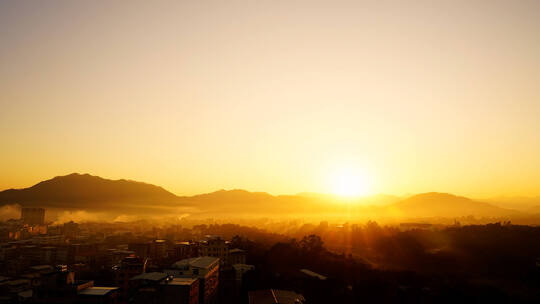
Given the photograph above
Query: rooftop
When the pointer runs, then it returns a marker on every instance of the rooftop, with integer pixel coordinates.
(236, 250)
(132, 260)
(313, 274)
(199, 262)
(27, 294)
(97, 291)
(151, 276)
(180, 281)
(275, 296)
(42, 267)
(18, 282)
(243, 267)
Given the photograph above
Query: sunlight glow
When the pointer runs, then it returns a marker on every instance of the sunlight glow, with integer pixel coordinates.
(349, 183)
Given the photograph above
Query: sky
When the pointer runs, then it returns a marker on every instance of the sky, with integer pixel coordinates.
(274, 96)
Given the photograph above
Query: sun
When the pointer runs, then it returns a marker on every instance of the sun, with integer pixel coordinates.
(350, 183)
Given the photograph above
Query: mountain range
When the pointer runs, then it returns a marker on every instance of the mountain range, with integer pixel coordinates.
(87, 192)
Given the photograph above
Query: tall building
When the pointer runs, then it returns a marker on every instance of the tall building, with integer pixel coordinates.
(184, 250)
(141, 250)
(159, 287)
(33, 216)
(158, 249)
(181, 291)
(206, 269)
(215, 246)
(128, 268)
(237, 256)
(71, 229)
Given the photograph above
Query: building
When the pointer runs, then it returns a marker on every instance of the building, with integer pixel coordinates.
(148, 278)
(181, 291)
(240, 270)
(231, 283)
(215, 246)
(141, 250)
(9, 289)
(109, 258)
(48, 240)
(158, 249)
(312, 274)
(64, 255)
(237, 256)
(184, 250)
(33, 216)
(206, 269)
(83, 253)
(277, 296)
(144, 288)
(59, 286)
(98, 295)
(128, 268)
(159, 287)
(30, 253)
(71, 229)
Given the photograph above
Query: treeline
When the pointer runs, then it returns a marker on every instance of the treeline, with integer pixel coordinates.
(480, 263)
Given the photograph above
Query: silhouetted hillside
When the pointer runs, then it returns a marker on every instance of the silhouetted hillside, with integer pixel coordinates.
(435, 204)
(85, 191)
(526, 204)
(244, 202)
(253, 203)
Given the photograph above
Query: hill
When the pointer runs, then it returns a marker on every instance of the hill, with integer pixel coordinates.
(84, 191)
(436, 204)
(93, 193)
(241, 202)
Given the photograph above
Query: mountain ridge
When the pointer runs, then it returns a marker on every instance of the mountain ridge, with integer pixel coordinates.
(85, 191)
(432, 204)
(85, 188)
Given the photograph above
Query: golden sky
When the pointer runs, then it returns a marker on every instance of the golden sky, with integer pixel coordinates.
(273, 96)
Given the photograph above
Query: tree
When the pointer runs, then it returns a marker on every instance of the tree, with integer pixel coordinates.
(312, 244)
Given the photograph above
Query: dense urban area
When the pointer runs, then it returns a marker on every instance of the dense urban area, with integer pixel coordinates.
(142, 262)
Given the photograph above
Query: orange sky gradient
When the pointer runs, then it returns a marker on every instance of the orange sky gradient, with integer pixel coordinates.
(273, 96)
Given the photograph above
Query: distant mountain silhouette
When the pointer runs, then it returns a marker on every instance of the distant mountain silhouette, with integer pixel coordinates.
(433, 204)
(436, 204)
(87, 191)
(245, 202)
(534, 210)
(526, 204)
